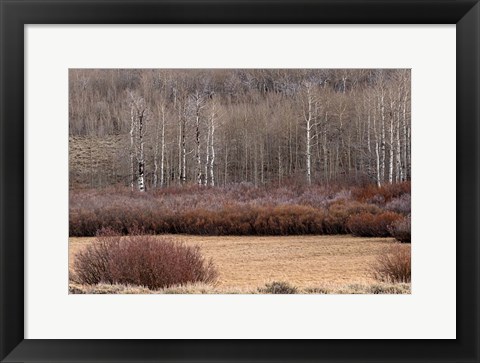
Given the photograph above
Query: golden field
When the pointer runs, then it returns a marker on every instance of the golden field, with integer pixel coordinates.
(248, 262)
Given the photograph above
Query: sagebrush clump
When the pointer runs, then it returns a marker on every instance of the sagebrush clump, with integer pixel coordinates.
(153, 262)
(278, 287)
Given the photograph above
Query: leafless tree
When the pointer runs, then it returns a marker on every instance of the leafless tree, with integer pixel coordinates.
(139, 114)
(220, 126)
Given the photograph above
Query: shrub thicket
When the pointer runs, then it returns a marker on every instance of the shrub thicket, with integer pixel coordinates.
(234, 210)
(153, 262)
(371, 193)
(339, 212)
(372, 225)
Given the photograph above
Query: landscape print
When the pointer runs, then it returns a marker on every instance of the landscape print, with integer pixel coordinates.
(239, 181)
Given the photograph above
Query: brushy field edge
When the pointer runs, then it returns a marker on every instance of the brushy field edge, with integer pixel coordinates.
(243, 209)
(376, 288)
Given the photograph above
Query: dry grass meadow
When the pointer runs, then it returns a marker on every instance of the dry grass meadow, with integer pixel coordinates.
(246, 263)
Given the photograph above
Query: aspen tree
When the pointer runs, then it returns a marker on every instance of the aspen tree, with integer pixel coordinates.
(198, 104)
(345, 126)
(139, 114)
(161, 130)
(308, 116)
(212, 143)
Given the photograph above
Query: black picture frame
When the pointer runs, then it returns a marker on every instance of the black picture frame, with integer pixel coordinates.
(15, 14)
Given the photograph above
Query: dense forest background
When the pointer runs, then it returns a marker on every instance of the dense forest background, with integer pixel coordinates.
(153, 128)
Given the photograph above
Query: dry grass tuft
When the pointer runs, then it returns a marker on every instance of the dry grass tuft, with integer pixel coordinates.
(108, 289)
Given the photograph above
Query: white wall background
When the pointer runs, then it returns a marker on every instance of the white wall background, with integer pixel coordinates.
(51, 313)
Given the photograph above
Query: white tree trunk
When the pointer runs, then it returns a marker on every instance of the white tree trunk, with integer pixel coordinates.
(180, 132)
(132, 148)
(308, 124)
(162, 157)
(198, 106)
(409, 151)
(207, 157)
(137, 132)
(155, 156)
(184, 155)
(369, 141)
(212, 147)
(377, 154)
(405, 141)
(392, 146)
(309, 166)
(141, 158)
(382, 143)
(212, 158)
(398, 154)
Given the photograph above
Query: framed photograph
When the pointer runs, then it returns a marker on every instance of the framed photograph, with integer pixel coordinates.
(239, 181)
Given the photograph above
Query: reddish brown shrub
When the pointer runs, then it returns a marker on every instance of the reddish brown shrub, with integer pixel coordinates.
(235, 221)
(401, 229)
(365, 193)
(238, 209)
(288, 219)
(280, 220)
(371, 193)
(335, 221)
(394, 264)
(371, 225)
(141, 260)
